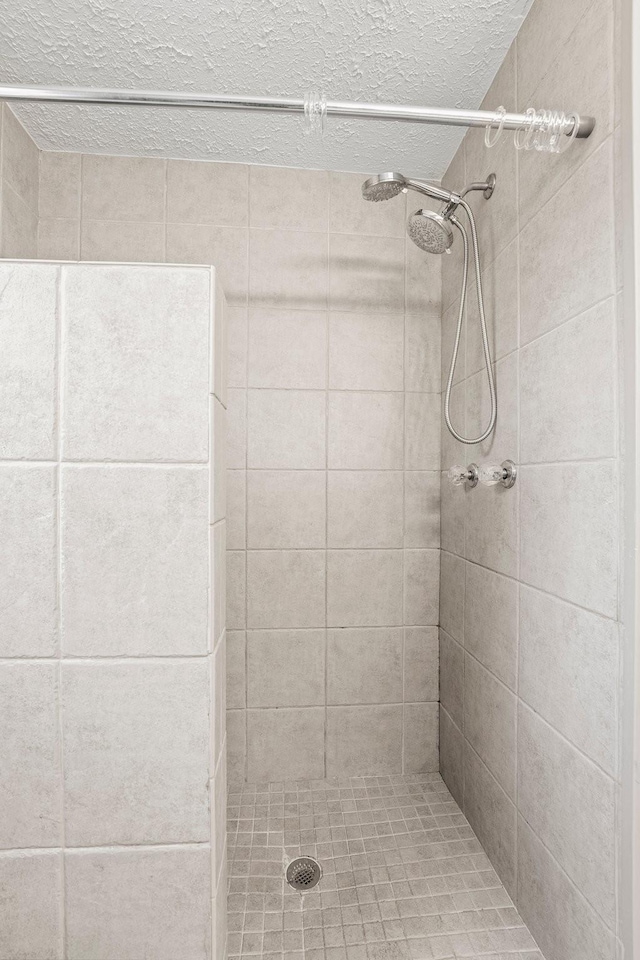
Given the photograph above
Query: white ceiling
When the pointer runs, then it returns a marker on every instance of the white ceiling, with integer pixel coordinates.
(440, 53)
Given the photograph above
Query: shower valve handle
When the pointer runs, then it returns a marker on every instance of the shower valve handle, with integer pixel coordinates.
(459, 475)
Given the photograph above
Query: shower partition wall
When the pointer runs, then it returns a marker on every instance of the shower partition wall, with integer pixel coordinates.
(111, 632)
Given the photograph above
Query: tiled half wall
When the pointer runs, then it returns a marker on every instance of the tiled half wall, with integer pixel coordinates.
(111, 652)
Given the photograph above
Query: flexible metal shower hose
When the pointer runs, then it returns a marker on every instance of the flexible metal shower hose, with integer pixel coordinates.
(483, 327)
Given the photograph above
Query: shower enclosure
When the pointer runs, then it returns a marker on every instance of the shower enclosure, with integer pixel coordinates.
(410, 677)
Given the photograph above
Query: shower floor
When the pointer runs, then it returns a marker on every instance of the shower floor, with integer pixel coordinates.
(404, 877)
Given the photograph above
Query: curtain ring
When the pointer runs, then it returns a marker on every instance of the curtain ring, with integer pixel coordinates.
(488, 140)
(522, 136)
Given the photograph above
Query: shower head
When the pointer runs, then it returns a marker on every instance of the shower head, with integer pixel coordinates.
(430, 231)
(383, 186)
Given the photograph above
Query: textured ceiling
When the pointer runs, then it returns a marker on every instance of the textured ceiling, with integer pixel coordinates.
(427, 52)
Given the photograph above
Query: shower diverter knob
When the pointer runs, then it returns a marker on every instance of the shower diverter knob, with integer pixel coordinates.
(459, 475)
(492, 473)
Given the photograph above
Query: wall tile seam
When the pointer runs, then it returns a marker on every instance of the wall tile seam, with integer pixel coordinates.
(531, 586)
(469, 746)
(106, 848)
(566, 876)
(566, 741)
(338, 704)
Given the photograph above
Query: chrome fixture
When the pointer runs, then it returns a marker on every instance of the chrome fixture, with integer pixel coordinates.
(431, 231)
(573, 125)
(493, 473)
(303, 873)
(459, 475)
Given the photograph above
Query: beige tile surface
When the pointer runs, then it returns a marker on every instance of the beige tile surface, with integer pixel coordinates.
(286, 508)
(118, 519)
(30, 889)
(364, 666)
(125, 902)
(30, 756)
(285, 668)
(115, 714)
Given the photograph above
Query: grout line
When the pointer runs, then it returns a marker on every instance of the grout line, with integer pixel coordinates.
(59, 406)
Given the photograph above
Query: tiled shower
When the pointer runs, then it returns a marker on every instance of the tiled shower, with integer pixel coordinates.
(416, 683)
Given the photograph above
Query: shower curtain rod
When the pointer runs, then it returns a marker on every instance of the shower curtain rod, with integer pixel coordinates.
(334, 108)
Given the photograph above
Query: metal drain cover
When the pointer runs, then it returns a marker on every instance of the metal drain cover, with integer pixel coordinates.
(303, 873)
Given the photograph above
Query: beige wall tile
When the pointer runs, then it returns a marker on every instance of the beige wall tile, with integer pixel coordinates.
(218, 468)
(287, 349)
(289, 269)
(285, 668)
(570, 804)
(28, 360)
(114, 407)
(28, 615)
(587, 260)
(122, 242)
(422, 359)
(364, 738)
(451, 756)
(286, 508)
(364, 666)
(286, 429)
(58, 239)
(366, 351)
(490, 722)
(421, 658)
(421, 587)
(452, 595)
(541, 38)
(452, 678)
(286, 199)
(491, 621)
(568, 387)
(569, 534)
(125, 903)
(237, 345)
(422, 431)
(500, 292)
(453, 512)
(199, 192)
(18, 227)
(30, 917)
(366, 274)
(285, 588)
(236, 509)
(351, 213)
(421, 754)
(285, 743)
(422, 509)
(236, 589)
(493, 817)
(19, 160)
(123, 188)
(119, 519)
(569, 672)
(30, 756)
(365, 431)
(364, 588)
(492, 528)
(587, 81)
(60, 176)
(423, 284)
(224, 247)
(503, 442)
(236, 669)
(236, 745)
(364, 508)
(161, 712)
(560, 919)
(237, 429)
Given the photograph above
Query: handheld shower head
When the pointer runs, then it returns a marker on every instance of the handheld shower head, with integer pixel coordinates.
(430, 231)
(383, 186)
